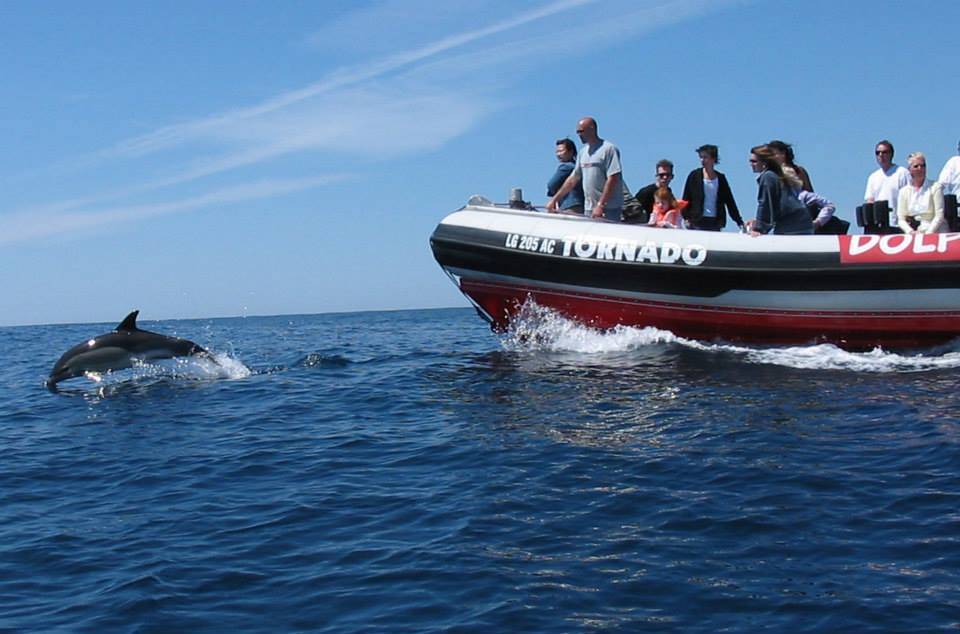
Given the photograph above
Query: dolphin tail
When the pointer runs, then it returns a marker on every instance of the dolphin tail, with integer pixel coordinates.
(200, 351)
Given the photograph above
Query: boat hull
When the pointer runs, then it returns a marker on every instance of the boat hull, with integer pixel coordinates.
(857, 292)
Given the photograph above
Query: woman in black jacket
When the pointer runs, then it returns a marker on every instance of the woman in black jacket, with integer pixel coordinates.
(709, 194)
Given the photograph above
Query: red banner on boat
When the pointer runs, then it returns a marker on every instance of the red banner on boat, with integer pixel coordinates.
(898, 247)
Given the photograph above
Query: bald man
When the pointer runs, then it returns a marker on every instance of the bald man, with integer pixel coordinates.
(598, 168)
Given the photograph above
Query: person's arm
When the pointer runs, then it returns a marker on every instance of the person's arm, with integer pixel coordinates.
(825, 208)
(936, 199)
(556, 181)
(693, 213)
(767, 199)
(729, 201)
(870, 193)
(611, 188)
(948, 175)
(688, 186)
(903, 204)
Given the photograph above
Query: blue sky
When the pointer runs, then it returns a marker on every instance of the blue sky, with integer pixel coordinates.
(203, 159)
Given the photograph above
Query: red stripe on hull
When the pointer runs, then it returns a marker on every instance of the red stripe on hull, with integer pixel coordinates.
(851, 330)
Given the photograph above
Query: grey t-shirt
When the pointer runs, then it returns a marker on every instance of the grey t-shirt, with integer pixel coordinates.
(594, 164)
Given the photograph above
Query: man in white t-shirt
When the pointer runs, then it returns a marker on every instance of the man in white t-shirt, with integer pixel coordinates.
(598, 167)
(885, 183)
(950, 174)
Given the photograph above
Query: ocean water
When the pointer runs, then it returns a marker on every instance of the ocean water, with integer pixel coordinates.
(413, 472)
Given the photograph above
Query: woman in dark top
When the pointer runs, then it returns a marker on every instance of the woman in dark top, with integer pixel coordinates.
(779, 211)
(709, 194)
(566, 153)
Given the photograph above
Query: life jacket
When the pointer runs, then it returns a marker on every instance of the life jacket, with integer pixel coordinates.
(672, 216)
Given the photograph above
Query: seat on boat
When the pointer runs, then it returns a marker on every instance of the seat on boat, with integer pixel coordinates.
(950, 212)
(874, 218)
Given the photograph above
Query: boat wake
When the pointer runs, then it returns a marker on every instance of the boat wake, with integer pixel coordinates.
(541, 329)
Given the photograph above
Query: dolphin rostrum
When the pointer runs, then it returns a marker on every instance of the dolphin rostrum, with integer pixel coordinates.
(118, 350)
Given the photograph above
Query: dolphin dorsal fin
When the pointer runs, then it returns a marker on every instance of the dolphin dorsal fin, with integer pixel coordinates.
(129, 322)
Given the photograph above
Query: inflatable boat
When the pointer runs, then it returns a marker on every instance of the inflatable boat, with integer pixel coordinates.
(857, 291)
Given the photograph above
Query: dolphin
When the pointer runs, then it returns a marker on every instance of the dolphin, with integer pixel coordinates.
(118, 350)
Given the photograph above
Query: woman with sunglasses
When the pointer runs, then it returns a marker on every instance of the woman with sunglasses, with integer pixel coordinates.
(779, 211)
(920, 204)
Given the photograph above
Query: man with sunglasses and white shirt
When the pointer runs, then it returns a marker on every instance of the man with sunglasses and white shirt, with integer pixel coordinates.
(885, 183)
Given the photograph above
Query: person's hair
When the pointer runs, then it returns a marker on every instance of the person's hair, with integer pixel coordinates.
(765, 155)
(887, 143)
(786, 148)
(665, 193)
(791, 177)
(665, 163)
(568, 144)
(916, 155)
(712, 151)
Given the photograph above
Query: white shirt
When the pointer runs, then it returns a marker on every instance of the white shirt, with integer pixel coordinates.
(886, 185)
(950, 176)
(710, 189)
(918, 200)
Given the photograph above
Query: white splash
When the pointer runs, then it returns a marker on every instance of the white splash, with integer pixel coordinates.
(541, 329)
(194, 368)
(229, 368)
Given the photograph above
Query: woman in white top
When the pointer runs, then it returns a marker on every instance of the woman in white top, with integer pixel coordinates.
(920, 203)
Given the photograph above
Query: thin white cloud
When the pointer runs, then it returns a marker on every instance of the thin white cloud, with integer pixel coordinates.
(339, 79)
(411, 101)
(22, 227)
(369, 122)
(338, 112)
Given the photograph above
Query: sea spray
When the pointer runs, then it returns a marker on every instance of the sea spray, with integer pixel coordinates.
(538, 328)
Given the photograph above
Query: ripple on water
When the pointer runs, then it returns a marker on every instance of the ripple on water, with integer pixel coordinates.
(412, 472)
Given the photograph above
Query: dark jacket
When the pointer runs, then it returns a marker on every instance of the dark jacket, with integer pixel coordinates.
(778, 208)
(575, 197)
(645, 197)
(693, 193)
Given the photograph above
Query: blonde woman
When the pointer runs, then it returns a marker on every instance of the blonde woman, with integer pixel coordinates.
(920, 202)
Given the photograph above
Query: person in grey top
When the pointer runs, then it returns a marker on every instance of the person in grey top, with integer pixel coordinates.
(598, 168)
